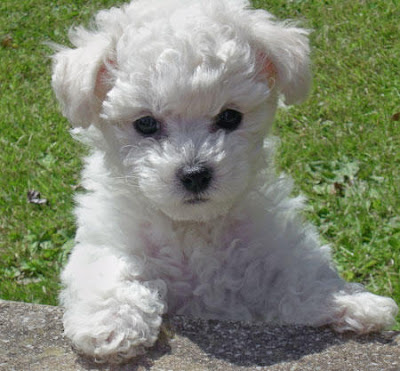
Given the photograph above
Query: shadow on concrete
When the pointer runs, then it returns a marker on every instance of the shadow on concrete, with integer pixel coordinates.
(262, 344)
(218, 345)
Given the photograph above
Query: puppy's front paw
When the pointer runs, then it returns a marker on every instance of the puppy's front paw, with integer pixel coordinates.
(112, 336)
(363, 312)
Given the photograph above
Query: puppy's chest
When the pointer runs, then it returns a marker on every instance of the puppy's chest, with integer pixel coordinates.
(188, 258)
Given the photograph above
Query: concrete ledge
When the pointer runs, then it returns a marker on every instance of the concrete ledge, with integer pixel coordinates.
(31, 339)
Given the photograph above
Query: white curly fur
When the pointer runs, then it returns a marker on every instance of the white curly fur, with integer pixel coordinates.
(142, 248)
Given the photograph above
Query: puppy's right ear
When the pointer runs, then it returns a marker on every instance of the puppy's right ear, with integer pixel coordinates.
(81, 77)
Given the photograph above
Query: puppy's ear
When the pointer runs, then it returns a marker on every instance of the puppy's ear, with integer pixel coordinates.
(283, 52)
(80, 77)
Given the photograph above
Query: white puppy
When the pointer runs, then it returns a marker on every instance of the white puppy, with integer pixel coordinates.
(183, 212)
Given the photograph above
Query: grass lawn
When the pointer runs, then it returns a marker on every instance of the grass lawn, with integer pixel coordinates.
(342, 146)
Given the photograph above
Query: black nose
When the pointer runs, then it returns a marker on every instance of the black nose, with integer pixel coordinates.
(195, 178)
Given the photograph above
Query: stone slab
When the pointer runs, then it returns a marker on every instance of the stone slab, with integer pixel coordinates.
(31, 339)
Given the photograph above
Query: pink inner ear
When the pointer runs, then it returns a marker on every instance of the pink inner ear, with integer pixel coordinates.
(267, 68)
(102, 85)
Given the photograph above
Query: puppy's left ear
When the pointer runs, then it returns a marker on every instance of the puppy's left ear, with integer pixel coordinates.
(80, 77)
(282, 50)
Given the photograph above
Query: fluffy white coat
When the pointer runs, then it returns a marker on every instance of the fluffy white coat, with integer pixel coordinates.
(144, 247)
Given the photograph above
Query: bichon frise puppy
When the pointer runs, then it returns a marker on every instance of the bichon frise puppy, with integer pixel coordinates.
(183, 212)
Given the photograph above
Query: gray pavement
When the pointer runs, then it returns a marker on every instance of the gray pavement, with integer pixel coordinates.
(31, 339)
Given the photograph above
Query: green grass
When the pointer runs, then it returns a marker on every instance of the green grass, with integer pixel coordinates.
(342, 146)
(37, 151)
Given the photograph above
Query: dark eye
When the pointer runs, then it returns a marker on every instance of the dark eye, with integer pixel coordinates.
(228, 119)
(147, 125)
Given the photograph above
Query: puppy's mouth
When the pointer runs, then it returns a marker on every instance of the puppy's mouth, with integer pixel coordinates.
(195, 201)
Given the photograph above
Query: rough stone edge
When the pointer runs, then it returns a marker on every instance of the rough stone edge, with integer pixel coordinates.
(31, 339)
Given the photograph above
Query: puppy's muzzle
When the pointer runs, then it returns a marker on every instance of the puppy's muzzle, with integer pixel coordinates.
(196, 178)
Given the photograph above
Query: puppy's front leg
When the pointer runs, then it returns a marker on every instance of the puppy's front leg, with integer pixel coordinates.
(312, 293)
(109, 313)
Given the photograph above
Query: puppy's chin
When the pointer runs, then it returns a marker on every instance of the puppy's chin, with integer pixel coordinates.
(196, 210)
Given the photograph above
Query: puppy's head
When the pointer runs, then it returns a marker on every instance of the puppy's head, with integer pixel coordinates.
(184, 92)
